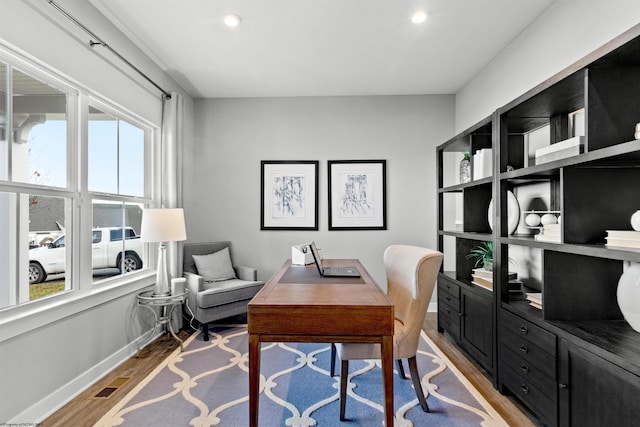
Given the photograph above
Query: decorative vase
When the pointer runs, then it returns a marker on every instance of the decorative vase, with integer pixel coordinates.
(635, 221)
(629, 296)
(465, 168)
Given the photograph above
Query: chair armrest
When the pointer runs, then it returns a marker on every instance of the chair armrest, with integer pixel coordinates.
(194, 282)
(246, 273)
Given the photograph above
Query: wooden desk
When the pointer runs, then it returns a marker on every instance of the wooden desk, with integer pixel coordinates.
(298, 305)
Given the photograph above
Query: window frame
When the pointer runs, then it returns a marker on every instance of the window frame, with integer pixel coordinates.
(81, 293)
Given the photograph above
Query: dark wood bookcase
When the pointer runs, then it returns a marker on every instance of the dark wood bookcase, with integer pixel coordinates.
(576, 361)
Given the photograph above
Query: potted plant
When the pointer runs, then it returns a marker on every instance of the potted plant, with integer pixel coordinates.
(483, 254)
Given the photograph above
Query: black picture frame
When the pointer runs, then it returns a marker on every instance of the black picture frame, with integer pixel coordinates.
(289, 195)
(357, 194)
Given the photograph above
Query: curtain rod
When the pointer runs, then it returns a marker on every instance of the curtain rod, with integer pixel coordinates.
(103, 44)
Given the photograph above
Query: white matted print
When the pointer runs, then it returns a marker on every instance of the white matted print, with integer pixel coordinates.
(289, 195)
(357, 195)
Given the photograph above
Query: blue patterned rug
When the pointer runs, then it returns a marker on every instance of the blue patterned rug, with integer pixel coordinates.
(207, 385)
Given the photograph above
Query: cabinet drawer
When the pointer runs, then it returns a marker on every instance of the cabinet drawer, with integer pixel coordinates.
(450, 321)
(545, 407)
(448, 287)
(543, 339)
(452, 299)
(529, 352)
(529, 371)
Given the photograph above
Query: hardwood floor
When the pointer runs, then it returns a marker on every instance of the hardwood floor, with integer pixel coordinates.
(509, 408)
(85, 411)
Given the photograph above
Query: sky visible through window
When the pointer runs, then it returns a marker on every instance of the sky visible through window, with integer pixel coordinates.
(47, 157)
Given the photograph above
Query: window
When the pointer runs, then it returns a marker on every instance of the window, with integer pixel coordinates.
(44, 245)
(35, 198)
(116, 169)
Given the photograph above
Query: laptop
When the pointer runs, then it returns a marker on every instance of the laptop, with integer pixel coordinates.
(331, 271)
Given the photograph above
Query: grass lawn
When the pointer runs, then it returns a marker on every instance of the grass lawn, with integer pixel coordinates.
(44, 289)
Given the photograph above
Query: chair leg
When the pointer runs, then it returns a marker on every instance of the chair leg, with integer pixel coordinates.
(333, 360)
(401, 369)
(344, 375)
(415, 379)
(205, 331)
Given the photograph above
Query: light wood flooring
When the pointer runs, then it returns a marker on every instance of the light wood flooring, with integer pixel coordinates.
(84, 411)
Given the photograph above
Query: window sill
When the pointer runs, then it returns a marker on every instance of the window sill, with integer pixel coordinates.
(22, 319)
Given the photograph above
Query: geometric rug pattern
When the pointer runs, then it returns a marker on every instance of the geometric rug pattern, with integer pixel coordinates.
(207, 385)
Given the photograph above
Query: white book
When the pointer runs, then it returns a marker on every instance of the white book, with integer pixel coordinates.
(576, 141)
(482, 163)
(550, 239)
(624, 234)
(558, 155)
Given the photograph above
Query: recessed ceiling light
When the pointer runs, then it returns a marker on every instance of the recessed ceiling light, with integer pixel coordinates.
(418, 17)
(232, 21)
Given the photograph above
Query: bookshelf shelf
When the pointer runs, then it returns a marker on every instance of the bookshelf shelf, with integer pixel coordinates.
(590, 193)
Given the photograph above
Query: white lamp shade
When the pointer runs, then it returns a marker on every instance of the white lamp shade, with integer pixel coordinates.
(163, 225)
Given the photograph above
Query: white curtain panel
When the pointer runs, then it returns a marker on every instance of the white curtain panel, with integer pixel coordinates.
(171, 169)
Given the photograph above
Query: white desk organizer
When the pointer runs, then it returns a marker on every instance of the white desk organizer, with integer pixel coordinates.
(301, 254)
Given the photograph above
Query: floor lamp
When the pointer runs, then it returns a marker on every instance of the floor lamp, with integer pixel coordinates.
(160, 226)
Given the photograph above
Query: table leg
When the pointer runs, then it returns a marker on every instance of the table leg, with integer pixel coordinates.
(254, 378)
(173, 334)
(387, 378)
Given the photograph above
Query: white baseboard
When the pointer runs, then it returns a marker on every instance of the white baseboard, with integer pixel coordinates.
(433, 307)
(44, 408)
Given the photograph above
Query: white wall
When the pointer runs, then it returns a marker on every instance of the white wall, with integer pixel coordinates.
(50, 352)
(566, 32)
(232, 136)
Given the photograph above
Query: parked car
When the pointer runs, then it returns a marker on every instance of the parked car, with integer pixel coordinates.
(107, 252)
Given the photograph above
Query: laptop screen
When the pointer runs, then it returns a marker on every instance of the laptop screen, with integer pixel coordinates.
(316, 257)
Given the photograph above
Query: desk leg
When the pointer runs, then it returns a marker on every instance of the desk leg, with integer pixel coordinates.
(387, 378)
(254, 378)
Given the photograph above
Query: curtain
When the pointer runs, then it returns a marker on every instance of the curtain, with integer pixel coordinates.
(171, 169)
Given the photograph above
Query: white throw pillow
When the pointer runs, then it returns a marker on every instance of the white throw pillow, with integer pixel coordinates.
(216, 266)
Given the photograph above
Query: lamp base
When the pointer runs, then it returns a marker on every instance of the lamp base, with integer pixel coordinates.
(162, 277)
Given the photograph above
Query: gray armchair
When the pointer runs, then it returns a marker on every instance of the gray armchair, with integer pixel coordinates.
(217, 287)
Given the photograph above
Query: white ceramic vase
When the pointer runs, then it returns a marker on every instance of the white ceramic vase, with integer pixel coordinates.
(629, 296)
(635, 221)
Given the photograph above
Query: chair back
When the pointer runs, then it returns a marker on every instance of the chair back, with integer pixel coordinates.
(411, 276)
(191, 249)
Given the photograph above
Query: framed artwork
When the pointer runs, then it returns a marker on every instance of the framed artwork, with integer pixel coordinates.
(289, 195)
(357, 195)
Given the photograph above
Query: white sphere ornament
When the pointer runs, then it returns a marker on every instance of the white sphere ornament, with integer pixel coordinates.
(628, 294)
(635, 221)
(532, 220)
(548, 219)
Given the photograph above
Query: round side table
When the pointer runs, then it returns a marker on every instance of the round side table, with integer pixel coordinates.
(162, 307)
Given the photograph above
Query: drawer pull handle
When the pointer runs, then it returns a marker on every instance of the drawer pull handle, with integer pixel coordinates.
(524, 348)
(448, 286)
(448, 311)
(448, 298)
(563, 386)
(524, 329)
(524, 389)
(524, 368)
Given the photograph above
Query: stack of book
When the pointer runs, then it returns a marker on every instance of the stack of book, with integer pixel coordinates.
(515, 289)
(549, 233)
(535, 299)
(482, 163)
(560, 150)
(623, 238)
(484, 278)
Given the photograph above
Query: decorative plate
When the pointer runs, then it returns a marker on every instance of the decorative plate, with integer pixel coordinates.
(513, 213)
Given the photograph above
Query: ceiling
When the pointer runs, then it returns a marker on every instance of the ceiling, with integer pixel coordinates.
(321, 47)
